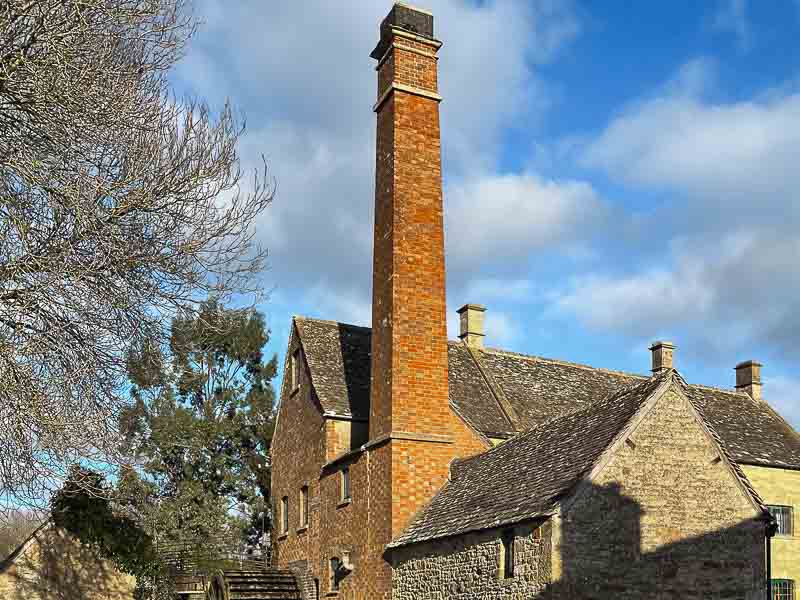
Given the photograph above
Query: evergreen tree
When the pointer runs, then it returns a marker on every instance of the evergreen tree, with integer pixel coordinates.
(201, 427)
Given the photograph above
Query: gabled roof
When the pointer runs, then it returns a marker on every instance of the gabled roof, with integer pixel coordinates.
(538, 389)
(526, 477)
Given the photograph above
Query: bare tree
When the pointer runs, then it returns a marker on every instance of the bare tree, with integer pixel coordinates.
(120, 206)
(16, 529)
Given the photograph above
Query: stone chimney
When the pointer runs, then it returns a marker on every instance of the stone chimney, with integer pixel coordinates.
(409, 404)
(748, 378)
(662, 353)
(472, 324)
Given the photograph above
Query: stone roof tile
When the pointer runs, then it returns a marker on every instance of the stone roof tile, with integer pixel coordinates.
(523, 478)
(538, 390)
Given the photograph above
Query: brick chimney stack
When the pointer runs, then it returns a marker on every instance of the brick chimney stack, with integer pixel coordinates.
(748, 378)
(409, 405)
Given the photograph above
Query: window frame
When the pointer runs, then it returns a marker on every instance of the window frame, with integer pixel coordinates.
(294, 370)
(787, 510)
(785, 594)
(345, 487)
(304, 507)
(285, 515)
(508, 557)
(333, 565)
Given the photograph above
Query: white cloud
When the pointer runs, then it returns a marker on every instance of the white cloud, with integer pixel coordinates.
(729, 155)
(501, 328)
(302, 74)
(729, 293)
(732, 18)
(733, 277)
(481, 291)
(510, 216)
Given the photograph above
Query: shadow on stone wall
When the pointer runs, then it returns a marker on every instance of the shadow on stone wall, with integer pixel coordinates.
(603, 557)
(59, 568)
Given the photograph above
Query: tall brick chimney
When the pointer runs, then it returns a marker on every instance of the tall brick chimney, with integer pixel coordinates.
(409, 410)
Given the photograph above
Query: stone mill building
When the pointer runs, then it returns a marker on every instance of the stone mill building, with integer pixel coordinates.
(410, 467)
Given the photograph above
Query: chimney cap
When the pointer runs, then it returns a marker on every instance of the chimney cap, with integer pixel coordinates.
(747, 364)
(662, 344)
(468, 306)
(406, 17)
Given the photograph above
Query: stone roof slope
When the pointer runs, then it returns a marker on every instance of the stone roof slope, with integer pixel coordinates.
(524, 478)
(338, 356)
(538, 390)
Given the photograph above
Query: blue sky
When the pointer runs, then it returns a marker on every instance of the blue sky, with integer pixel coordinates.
(615, 172)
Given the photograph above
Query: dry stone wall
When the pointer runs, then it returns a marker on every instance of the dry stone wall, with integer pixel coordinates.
(469, 567)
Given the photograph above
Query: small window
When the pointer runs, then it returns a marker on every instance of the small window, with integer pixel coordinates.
(783, 517)
(336, 566)
(345, 484)
(782, 589)
(507, 554)
(285, 514)
(295, 369)
(304, 506)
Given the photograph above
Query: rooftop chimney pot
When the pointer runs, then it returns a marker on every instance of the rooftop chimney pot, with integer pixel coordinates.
(662, 353)
(472, 324)
(748, 378)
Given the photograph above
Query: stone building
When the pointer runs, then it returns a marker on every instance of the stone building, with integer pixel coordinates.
(407, 466)
(51, 565)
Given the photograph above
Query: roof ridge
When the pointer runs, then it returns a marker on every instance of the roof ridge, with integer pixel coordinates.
(330, 322)
(715, 388)
(567, 363)
(592, 405)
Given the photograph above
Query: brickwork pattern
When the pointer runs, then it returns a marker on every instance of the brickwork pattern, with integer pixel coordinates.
(665, 518)
(409, 390)
(468, 567)
(298, 452)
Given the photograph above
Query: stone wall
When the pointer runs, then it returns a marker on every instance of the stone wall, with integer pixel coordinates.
(781, 487)
(54, 566)
(665, 518)
(469, 567)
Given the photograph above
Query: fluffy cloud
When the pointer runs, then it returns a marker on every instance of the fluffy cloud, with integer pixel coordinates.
(302, 74)
(509, 216)
(735, 156)
(730, 281)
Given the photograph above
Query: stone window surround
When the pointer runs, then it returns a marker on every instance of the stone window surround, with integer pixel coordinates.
(294, 370)
(786, 520)
(345, 493)
(285, 515)
(506, 559)
(304, 512)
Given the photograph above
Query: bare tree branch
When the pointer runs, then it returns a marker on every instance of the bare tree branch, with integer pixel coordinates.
(120, 206)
